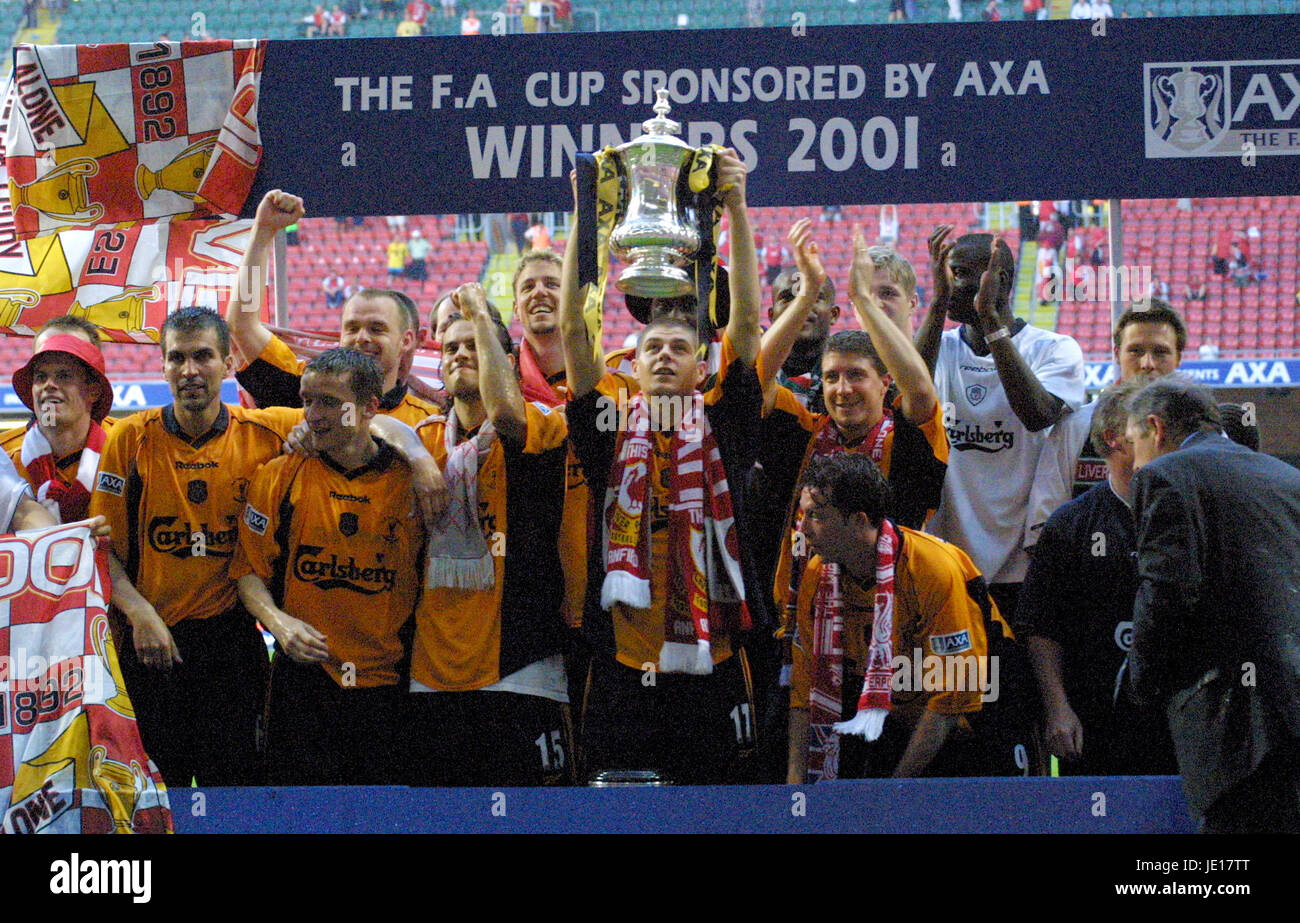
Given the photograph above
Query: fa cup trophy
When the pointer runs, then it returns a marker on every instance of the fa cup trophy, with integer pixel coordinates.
(654, 238)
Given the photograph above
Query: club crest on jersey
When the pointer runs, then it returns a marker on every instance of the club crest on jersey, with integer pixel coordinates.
(255, 520)
(197, 491)
(240, 487)
(348, 524)
(976, 394)
(111, 484)
(392, 529)
(953, 643)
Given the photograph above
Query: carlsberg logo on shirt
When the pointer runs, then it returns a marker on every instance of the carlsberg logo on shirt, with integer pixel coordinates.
(965, 437)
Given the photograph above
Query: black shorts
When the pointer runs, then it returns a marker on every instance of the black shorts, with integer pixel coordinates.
(487, 739)
(199, 720)
(691, 729)
(321, 733)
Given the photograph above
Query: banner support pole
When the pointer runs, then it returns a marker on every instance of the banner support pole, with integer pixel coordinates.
(280, 266)
(1115, 246)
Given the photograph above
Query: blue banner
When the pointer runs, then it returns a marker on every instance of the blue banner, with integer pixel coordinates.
(1217, 373)
(1133, 108)
(128, 396)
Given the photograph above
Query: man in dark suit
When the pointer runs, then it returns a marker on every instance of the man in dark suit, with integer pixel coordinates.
(1216, 625)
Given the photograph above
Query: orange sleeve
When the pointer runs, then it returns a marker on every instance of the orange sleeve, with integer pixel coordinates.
(116, 465)
(935, 434)
(257, 527)
(801, 649)
(547, 428)
(948, 623)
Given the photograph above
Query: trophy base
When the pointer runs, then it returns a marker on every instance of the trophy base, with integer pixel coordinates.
(650, 275)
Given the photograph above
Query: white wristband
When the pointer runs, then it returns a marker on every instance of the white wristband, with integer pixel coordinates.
(1000, 334)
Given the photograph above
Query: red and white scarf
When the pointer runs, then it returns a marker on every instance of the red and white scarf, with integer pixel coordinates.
(533, 382)
(826, 441)
(704, 555)
(69, 502)
(826, 655)
(458, 553)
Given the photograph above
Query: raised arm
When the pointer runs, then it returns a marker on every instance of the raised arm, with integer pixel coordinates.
(931, 330)
(1036, 407)
(497, 382)
(784, 332)
(583, 369)
(248, 334)
(904, 363)
(746, 290)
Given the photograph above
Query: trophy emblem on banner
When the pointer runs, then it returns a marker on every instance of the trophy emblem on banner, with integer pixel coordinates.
(13, 302)
(1183, 96)
(653, 236)
(182, 176)
(124, 312)
(63, 193)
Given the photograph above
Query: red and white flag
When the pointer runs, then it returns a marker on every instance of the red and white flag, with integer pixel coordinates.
(71, 760)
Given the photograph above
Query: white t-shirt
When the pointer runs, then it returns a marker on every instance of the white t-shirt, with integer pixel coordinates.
(993, 458)
(544, 678)
(1054, 480)
(13, 488)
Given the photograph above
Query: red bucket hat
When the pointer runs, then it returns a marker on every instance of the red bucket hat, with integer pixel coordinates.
(78, 348)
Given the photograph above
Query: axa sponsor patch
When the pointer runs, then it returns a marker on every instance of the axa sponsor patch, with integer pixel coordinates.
(110, 484)
(954, 643)
(255, 520)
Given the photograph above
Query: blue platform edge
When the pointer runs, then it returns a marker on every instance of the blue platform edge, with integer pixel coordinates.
(1080, 804)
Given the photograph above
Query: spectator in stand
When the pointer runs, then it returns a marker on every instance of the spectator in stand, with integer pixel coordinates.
(396, 224)
(334, 287)
(1078, 247)
(1097, 246)
(318, 22)
(537, 236)
(1239, 264)
(1208, 351)
(448, 9)
(1220, 252)
(408, 28)
(888, 226)
(1082, 9)
(519, 229)
(1051, 234)
(954, 10)
(1194, 290)
(1035, 9)
(1158, 288)
(470, 25)
(417, 11)
(1101, 9)
(992, 12)
(338, 22)
(896, 13)
(418, 250)
(775, 256)
(562, 15)
(754, 13)
(397, 253)
(832, 213)
(387, 9)
(1048, 272)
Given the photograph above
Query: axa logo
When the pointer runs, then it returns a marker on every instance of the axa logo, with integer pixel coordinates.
(1221, 108)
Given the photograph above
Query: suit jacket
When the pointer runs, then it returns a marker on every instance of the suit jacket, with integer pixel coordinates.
(1216, 623)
